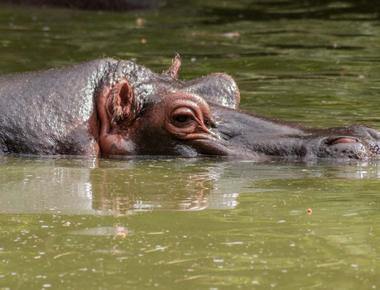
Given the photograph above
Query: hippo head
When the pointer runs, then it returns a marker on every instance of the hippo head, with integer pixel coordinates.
(144, 113)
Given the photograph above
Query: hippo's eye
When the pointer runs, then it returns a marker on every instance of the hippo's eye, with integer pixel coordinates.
(181, 118)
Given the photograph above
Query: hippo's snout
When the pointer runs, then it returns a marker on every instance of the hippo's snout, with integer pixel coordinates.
(344, 147)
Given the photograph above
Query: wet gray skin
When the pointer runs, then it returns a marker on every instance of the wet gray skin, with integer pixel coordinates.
(242, 133)
(60, 112)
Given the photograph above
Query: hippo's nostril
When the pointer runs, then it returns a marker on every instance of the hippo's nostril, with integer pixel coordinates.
(344, 147)
(340, 140)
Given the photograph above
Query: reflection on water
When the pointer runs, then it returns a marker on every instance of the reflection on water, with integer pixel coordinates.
(109, 187)
(202, 222)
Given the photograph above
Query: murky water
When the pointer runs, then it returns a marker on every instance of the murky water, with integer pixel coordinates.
(202, 223)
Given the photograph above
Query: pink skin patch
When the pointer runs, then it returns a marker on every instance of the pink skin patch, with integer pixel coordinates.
(344, 140)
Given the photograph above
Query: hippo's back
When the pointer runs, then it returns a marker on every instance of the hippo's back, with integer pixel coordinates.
(48, 112)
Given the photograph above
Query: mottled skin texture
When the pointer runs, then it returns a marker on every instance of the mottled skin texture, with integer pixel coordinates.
(108, 107)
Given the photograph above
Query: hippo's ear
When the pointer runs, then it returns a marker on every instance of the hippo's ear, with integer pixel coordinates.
(217, 88)
(121, 102)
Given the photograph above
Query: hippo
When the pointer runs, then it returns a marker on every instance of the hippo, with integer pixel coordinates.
(110, 107)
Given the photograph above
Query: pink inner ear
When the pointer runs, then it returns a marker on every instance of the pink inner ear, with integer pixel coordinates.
(126, 98)
(121, 101)
(344, 140)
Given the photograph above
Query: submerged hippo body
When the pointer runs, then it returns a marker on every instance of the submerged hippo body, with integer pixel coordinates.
(108, 107)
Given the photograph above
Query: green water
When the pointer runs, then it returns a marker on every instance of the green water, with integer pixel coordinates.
(202, 223)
